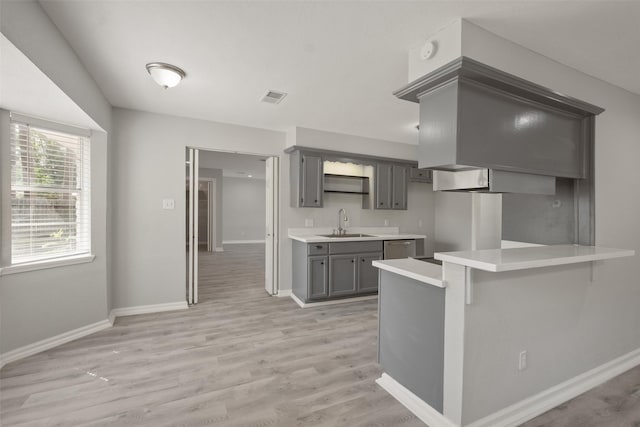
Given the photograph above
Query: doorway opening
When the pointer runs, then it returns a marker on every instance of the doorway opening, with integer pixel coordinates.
(232, 222)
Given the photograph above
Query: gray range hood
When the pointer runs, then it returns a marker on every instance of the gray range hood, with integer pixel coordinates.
(490, 131)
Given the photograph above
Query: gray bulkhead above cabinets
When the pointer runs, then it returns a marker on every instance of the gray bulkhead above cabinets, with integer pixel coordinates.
(482, 129)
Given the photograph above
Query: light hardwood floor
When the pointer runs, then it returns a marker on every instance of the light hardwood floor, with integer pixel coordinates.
(242, 358)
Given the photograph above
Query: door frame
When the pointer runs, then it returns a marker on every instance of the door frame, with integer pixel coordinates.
(211, 212)
(276, 219)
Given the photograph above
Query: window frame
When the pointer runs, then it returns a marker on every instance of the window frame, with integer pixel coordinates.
(6, 267)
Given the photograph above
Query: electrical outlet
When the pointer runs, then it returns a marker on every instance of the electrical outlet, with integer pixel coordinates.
(522, 360)
(168, 204)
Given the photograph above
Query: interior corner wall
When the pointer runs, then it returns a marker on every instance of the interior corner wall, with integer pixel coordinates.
(149, 261)
(243, 209)
(41, 304)
(218, 203)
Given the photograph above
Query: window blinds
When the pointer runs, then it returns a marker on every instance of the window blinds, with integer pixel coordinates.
(50, 194)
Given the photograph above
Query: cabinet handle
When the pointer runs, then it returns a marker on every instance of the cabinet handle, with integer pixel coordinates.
(315, 201)
(352, 261)
(397, 203)
(318, 246)
(322, 263)
(363, 260)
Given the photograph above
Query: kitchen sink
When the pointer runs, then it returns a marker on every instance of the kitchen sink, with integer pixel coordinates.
(346, 235)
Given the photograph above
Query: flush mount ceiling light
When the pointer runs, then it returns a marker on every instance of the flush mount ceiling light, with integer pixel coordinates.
(166, 75)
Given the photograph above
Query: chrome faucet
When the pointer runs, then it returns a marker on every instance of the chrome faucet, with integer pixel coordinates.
(341, 218)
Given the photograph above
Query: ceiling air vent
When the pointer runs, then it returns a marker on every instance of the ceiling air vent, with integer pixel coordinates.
(273, 97)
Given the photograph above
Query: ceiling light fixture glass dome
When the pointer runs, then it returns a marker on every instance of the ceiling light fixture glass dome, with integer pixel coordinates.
(166, 75)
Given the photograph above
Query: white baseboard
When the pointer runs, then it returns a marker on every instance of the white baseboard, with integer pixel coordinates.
(419, 407)
(540, 403)
(219, 249)
(239, 242)
(523, 411)
(303, 304)
(144, 309)
(49, 343)
(46, 344)
(284, 293)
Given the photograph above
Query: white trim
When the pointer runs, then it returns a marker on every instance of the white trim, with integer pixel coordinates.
(219, 249)
(45, 264)
(523, 410)
(540, 403)
(48, 343)
(417, 406)
(303, 304)
(153, 308)
(284, 293)
(238, 242)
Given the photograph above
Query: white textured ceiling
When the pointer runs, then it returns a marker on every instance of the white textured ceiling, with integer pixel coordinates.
(25, 89)
(339, 61)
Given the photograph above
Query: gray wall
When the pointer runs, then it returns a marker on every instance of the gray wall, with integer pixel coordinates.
(243, 209)
(41, 304)
(148, 258)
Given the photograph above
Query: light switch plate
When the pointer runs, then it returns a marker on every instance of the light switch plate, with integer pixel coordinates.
(168, 204)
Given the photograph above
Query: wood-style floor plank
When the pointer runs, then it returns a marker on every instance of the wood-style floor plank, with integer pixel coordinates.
(242, 358)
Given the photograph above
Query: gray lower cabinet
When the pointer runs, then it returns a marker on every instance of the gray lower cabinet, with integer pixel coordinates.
(324, 271)
(318, 276)
(343, 273)
(367, 273)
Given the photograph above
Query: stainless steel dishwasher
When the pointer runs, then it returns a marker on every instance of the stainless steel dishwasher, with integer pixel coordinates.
(394, 249)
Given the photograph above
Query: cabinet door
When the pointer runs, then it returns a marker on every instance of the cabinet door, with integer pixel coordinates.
(383, 186)
(318, 280)
(311, 181)
(342, 275)
(399, 193)
(367, 273)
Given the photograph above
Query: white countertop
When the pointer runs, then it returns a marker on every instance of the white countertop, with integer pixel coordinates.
(313, 235)
(414, 269)
(530, 257)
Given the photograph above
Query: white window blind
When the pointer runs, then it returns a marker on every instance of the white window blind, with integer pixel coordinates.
(50, 194)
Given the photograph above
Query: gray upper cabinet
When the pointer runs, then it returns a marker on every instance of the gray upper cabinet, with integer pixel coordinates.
(367, 273)
(306, 178)
(383, 185)
(391, 186)
(318, 280)
(400, 179)
(343, 272)
(420, 175)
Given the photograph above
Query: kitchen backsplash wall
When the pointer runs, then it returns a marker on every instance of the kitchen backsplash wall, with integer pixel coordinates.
(418, 218)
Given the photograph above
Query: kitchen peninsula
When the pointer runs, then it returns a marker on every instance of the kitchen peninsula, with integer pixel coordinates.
(452, 337)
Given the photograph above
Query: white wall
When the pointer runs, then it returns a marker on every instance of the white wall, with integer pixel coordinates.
(41, 304)
(605, 317)
(243, 209)
(149, 252)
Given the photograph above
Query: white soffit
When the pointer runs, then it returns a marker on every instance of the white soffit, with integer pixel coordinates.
(27, 90)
